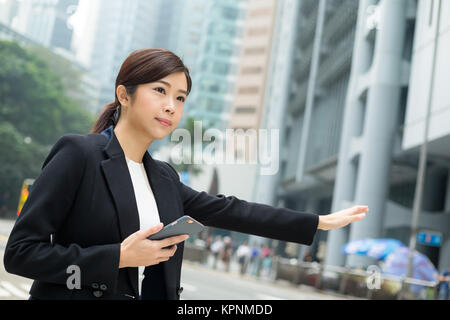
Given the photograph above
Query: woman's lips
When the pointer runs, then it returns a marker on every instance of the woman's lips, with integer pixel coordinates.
(164, 122)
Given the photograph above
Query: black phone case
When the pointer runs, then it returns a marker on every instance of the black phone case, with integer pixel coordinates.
(183, 225)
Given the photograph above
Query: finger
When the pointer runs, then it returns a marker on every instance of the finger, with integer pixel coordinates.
(358, 217)
(144, 233)
(159, 260)
(172, 240)
(169, 252)
(359, 209)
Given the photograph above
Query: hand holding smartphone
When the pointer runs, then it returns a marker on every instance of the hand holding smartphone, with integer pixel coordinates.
(184, 225)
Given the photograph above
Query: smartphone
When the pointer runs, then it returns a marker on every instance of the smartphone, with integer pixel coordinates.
(183, 225)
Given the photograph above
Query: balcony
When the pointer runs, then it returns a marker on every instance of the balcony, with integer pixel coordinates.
(307, 26)
(297, 103)
(343, 18)
(337, 62)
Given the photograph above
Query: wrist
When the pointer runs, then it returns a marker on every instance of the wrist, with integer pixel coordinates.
(322, 223)
(122, 259)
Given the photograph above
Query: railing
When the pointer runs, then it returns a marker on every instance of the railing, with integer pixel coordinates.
(340, 59)
(308, 24)
(352, 282)
(299, 98)
(335, 279)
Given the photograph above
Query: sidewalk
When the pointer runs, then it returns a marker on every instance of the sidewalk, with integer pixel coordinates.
(6, 226)
(265, 278)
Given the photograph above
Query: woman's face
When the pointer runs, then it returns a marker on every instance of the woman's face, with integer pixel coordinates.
(156, 107)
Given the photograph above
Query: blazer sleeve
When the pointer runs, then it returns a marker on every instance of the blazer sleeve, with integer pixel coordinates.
(29, 252)
(231, 213)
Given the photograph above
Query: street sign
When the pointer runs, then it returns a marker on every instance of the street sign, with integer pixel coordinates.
(27, 183)
(429, 238)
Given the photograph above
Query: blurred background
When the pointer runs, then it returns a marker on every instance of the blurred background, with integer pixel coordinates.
(358, 90)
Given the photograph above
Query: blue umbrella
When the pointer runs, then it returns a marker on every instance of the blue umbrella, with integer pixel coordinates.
(375, 248)
(397, 264)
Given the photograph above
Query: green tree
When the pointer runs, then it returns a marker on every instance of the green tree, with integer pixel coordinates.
(32, 97)
(34, 112)
(70, 76)
(18, 161)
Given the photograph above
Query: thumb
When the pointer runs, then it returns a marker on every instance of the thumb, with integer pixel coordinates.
(144, 233)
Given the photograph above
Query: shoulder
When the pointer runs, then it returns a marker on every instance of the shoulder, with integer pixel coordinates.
(70, 147)
(167, 169)
(78, 143)
(83, 143)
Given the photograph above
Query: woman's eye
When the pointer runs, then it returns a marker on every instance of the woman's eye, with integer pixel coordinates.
(157, 89)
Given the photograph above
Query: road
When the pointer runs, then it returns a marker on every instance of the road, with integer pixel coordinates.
(199, 282)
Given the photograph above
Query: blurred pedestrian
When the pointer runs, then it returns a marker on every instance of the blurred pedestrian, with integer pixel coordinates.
(259, 260)
(266, 260)
(254, 256)
(227, 251)
(307, 257)
(444, 280)
(208, 243)
(216, 248)
(243, 254)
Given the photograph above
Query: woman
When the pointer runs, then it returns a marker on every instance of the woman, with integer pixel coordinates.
(82, 233)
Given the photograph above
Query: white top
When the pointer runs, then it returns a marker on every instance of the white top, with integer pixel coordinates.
(146, 204)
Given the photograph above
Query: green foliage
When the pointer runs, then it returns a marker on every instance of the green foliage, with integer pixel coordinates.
(33, 104)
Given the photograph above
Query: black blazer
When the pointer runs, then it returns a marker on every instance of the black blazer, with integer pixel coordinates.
(82, 206)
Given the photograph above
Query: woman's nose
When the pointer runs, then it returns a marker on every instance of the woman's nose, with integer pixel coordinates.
(169, 108)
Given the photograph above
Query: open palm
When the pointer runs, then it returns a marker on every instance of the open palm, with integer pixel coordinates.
(342, 218)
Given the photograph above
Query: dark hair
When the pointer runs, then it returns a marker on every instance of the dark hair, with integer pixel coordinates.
(141, 66)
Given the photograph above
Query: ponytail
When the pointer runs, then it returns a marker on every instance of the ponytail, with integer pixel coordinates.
(109, 116)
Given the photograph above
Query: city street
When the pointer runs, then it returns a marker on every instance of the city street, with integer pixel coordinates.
(199, 283)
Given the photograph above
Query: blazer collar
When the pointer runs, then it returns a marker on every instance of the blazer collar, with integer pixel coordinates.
(120, 184)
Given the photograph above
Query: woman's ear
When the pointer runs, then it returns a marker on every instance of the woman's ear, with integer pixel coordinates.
(122, 95)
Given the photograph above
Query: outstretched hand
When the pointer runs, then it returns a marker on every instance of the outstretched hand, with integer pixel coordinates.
(342, 218)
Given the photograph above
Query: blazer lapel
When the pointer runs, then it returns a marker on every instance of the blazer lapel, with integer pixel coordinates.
(165, 194)
(120, 184)
(163, 190)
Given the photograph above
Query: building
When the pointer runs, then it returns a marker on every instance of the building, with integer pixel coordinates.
(355, 120)
(216, 64)
(251, 79)
(110, 32)
(44, 21)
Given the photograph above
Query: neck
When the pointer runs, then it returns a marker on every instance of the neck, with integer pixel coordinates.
(134, 143)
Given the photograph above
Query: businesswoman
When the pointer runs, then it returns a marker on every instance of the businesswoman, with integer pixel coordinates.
(82, 233)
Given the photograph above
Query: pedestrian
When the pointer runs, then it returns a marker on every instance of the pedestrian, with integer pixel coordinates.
(226, 253)
(208, 243)
(216, 249)
(259, 260)
(243, 255)
(307, 257)
(266, 255)
(100, 195)
(444, 280)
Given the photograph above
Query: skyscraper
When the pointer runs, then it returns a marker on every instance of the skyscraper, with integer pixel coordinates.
(363, 79)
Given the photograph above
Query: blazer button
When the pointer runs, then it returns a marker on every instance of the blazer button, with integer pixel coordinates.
(103, 287)
(180, 290)
(97, 293)
(95, 285)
